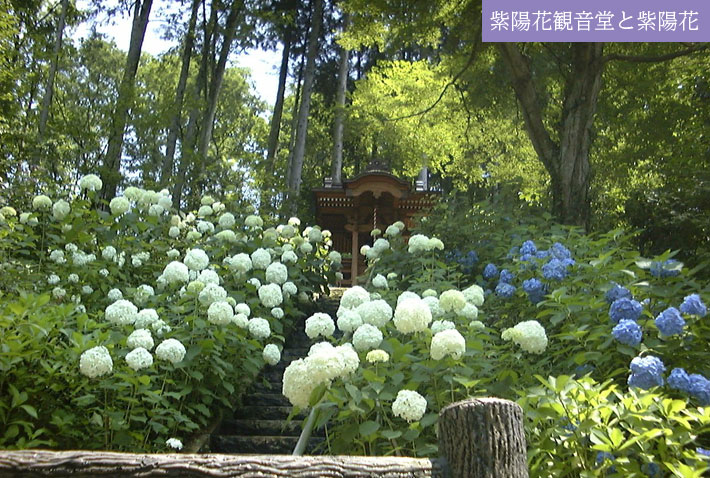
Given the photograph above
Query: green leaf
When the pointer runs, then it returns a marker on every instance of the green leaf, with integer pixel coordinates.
(368, 428)
(31, 411)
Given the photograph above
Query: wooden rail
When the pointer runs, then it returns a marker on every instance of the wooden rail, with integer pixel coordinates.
(477, 437)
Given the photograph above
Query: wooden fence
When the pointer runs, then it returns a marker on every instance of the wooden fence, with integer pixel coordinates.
(478, 438)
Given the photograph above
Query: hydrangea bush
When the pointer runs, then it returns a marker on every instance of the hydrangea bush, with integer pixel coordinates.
(131, 324)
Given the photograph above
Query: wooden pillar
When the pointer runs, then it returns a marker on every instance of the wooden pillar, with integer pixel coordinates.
(356, 251)
(483, 437)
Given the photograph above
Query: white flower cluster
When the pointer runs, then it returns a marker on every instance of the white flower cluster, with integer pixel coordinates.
(121, 312)
(474, 295)
(253, 221)
(57, 256)
(226, 220)
(90, 182)
(140, 258)
(421, 243)
(139, 358)
(379, 282)
(412, 315)
(289, 257)
(353, 297)
(60, 210)
(143, 293)
(367, 337)
(276, 273)
(259, 328)
(377, 355)
(319, 324)
(220, 313)
(119, 205)
(335, 257)
(409, 405)
(171, 350)
(323, 364)
(174, 443)
(452, 300)
(447, 342)
(529, 335)
(376, 312)
(241, 263)
(196, 259)
(348, 320)
(114, 295)
(441, 325)
(95, 362)
(260, 258)
(271, 354)
(140, 338)
(270, 295)
(212, 293)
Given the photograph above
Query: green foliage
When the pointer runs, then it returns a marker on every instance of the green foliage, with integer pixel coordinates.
(59, 276)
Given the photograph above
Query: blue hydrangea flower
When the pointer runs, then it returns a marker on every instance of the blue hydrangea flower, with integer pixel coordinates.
(700, 388)
(667, 268)
(625, 309)
(542, 254)
(670, 322)
(693, 305)
(528, 247)
(582, 370)
(527, 257)
(602, 456)
(554, 269)
(651, 469)
(560, 252)
(627, 332)
(490, 271)
(702, 451)
(679, 380)
(617, 292)
(535, 290)
(513, 252)
(646, 372)
(506, 276)
(505, 290)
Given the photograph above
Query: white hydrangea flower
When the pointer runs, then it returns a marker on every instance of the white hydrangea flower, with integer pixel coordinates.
(433, 303)
(240, 320)
(242, 309)
(121, 312)
(156, 210)
(271, 354)
(139, 358)
(379, 282)
(208, 276)
(452, 300)
(253, 221)
(353, 297)
(289, 257)
(241, 263)
(108, 253)
(412, 315)
(114, 295)
(90, 182)
(348, 320)
(367, 337)
(319, 324)
(60, 210)
(350, 358)
(377, 355)
(141, 338)
(212, 293)
(53, 279)
(474, 295)
(260, 258)
(476, 325)
(173, 254)
(57, 256)
(381, 245)
(171, 350)
(270, 295)
(80, 258)
(73, 278)
(226, 220)
(407, 295)
(529, 335)
(58, 293)
(160, 327)
(207, 200)
(259, 328)
(146, 318)
(409, 405)
(220, 313)
(335, 257)
(205, 227)
(418, 243)
(277, 313)
(376, 312)
(143, 293)
(226, 236)
(87, 289)
(435, 243)
(41, 202)
(66, 228)
(447, 342)
(205, 211)
(255, 282)
(103, 272)
(8, 211)
(469, 312)
(392, 231)
(174, 443)
(441, 325)
(96, 362)
(27, 218)
(294, 222)
(315, 235)
(174, 231)
(176, 272)
(193, 235)
(429, 293)
(196, 259)
(140, 258)
(306, 248)
(276, 273)
(133, 193)
(296, 386)
(165, 202)
(289, 289)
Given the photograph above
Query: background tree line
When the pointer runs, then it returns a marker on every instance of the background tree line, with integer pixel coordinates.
(599, 134)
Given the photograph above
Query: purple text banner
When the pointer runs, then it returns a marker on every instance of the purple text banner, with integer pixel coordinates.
(596, 20)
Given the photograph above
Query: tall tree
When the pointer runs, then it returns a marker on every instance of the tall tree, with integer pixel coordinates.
(49, 87)
(339, 119)
(111, 171)
(167, 166)
(275, 126)
(296, 166)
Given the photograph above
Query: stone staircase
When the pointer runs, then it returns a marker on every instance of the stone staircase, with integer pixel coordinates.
(260, 425)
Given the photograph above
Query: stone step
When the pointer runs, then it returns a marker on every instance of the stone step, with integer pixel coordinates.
(267, 399)
(250, 427)
(262, 445)
(265, 413)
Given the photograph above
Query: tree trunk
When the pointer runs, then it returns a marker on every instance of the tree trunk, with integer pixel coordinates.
(111, 171)
(187, 144)
(49, 89)
(567, 162)
(214, 90)
(339, 119)
(483, 438)
(169, 159)
(294, 122)
(304, 109)
(83, 464)
(275, 127)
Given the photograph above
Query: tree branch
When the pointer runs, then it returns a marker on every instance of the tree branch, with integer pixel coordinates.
(655, 59)
(451, 83)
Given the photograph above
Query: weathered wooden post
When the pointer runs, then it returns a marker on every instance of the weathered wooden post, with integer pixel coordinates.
(483, 438)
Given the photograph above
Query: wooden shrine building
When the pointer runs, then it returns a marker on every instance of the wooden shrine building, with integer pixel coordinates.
(372, 199)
